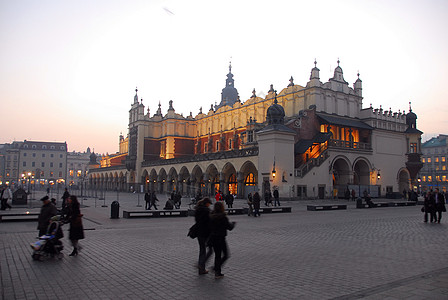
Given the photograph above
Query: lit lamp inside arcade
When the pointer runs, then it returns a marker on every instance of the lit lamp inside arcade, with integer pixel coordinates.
(378, 175)
(273, 170)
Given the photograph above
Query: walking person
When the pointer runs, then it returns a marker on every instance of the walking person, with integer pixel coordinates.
(439, 205)
(153, 200)
(276, 198)
(250, 203)
(202, 219)
(147, 200)
(64, 198)
(256, 199)
(5, 196)
(74, 217)
(47, 211)
(229, 200)
(429, 207)
(266, 198)
(219, 224)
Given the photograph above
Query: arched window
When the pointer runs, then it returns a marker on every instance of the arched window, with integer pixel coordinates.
(233, 185)
(250, 179)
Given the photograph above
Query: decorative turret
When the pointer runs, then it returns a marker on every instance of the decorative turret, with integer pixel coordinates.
(229, 95)
(411, 118)
(338, 74)
(314, 77)
(136, 97)
(358, 86)
(275, 113)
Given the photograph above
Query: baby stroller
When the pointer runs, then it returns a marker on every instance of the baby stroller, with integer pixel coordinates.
(49, 245)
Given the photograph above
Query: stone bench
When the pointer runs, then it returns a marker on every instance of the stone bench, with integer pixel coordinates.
(236, 211)
(155, 213)
(387, 204)
(19, 217)
(326, 207)
(275, 209)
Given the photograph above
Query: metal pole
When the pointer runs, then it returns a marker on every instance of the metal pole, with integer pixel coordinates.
(138, 200)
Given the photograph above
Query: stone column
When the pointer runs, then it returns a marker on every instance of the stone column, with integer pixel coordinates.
(240, 184)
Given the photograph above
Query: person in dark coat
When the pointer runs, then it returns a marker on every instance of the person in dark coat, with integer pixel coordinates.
(256, 202)
(153, 200)
(439, 199)
(229, 200)
(429, 207)
(202, 219)
(147, 200)
(74, 217)
(219, 224)
(250, 203)
(64, 198)
(276, 198)
(47, 211)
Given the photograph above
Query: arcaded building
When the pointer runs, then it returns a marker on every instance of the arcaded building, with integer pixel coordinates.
(311, 141)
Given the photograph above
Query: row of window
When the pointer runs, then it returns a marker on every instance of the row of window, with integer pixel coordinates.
(431, 178)
(33, 164)
(42, 174)
(45, 147)
(43, 155)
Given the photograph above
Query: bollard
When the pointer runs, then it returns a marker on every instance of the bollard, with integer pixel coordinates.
(115, 210)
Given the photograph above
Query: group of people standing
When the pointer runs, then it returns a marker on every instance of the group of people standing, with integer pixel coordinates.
(211, 233)
(70, 213)
(433, 206)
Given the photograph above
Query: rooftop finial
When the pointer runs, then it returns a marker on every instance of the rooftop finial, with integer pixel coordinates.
(275, 97)
(410, 109)
(230, 65)
(315, 63)
(136, 90)
(338, 61)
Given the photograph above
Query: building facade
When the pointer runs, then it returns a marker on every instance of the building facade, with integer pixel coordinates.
(77, 168)
(434, 172)
(312, 141)
(35, 163)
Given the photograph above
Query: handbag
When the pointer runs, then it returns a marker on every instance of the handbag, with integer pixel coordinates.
(193, 231)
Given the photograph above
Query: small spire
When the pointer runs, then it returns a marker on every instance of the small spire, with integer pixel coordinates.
(338, 61)
(147, 110)
(141, 100)
(410, 108)
(275, 97)
(253, 94)
(230, 65)
(271, 89)
(358, 74)
(291, 81)
(136, 90)
(315, 63)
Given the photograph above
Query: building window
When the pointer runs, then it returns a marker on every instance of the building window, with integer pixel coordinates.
(24, 154)
(437, 159)
(233, 185)
(424, 178)
(60, 165)
(62, 148)
(217, 145)
(43, 154)
(443, 159)
(443, 177)
(51, 174)
(413, 147)
(51, 155)
(34, 154)
(250, 136)
(25, 146)
(60, 174)
(33, 146)
(51, 165)
(33, 164)
(51, 147)
(230, 144)
(423, 160)
(71, 173)
(42, 174)
(44, 147)
(24, 163)
(43, 165)
(429, 159)
(60, 155)
(429, 178)
(250, 179)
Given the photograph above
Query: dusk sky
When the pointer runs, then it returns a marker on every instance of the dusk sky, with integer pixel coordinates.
(68, 69)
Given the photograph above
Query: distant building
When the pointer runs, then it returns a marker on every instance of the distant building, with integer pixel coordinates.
(311, 141)
(77, 168)
(434, 172)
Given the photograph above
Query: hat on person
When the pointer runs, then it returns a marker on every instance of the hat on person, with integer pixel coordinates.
(45, 198)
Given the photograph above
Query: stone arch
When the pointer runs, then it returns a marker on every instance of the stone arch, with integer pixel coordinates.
(145, 179)
(229, 175)
(197, 180)
(172, 180)
(184, 181)
(248, 177)
(404, 180)
(152, 180)
(361, 171)
(212, 180)
(161, 181)
(341, 173)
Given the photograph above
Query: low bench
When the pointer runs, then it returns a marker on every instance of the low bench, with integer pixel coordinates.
(275, 209)
(236, 211)
(326, 207)
(155, 213)
(19, 217)
(387, 204)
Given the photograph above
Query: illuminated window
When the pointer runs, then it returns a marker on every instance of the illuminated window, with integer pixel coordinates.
(443, 159)
(230, 144)
(233, 184)
(413, 148)
(437, 159)
(217, 145)
(443, 168)
(429, 178)
(250, 179)
(71, 172)
(437, 178)
(444, 178)
(429, 159)
(423, 160)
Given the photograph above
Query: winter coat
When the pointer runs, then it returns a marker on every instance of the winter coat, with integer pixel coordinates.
(440, 206)
(47, 211)
(429, 204)
(219, 224)
(256, 200)
(202, 218)
(75, 218)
